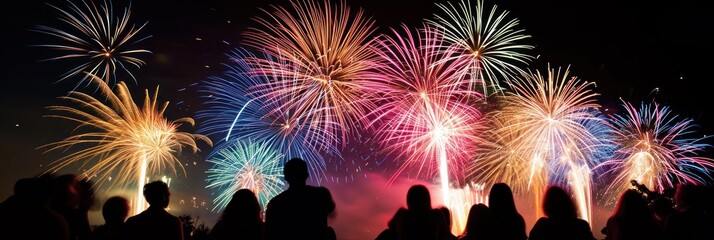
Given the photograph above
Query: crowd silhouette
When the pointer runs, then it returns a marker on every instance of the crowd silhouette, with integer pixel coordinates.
(56, 207)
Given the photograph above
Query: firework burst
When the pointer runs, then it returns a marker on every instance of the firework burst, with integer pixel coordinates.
(122, 140)
(489, 42)
(423, 104)
(101, 42)
(245, 164)
(549, 131)
(234, 113)
(655, 148)
(330, 46)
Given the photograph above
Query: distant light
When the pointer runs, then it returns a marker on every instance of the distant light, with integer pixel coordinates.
(17, 124)
(680, 78)
(229, 21)
(198, 39)
(206, 66)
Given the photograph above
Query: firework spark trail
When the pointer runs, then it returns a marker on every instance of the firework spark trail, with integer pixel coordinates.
(489, 42)
(121, 138)
(331, 46)
(100, 40)
(245, 164)
(495, 161)
(656, 148)
(462, 199)
(234, 112)
(422, 104)
(549, 127)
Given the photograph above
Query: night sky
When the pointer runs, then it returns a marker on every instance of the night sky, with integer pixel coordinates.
(637, 51)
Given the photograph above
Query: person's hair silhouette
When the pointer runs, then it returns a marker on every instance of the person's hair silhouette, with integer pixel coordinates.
(508, 223)
(446, 228)
(157, 194)
(632, 219)
(418, 198)
(479, 223)
(421, 221)
(296, 172)
(561, 220)
(241, 219)
(558, 204)
(116, 209)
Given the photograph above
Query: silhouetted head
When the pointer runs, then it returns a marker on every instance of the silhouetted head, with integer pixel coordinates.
(36, 189)
(479, 216)
(500, 199)
(115, 210)
(688, 196)
(243, 206)
(85, 189)
(66, 191)
(295, 171)
(43, 188)
(558, 204)
(23, 187)
(447, 216)
(157, 194)
(631, 204)
(418, 198)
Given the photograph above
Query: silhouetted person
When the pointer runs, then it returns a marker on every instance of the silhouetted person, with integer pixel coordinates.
(421, 221)
(27, 212)
(71, 201)
(632, 219)
(508, 223)
(115, 211)
(691, 221)
(394, 226)
(22, 190)
(87, 202)
(446, 213)
(331, 234)
(479, 225)
(561, 220)
(155, 222)
(241, 219)
(301, 211)
(662, 207)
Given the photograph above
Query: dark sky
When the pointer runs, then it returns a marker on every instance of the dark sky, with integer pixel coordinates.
(629, 49)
